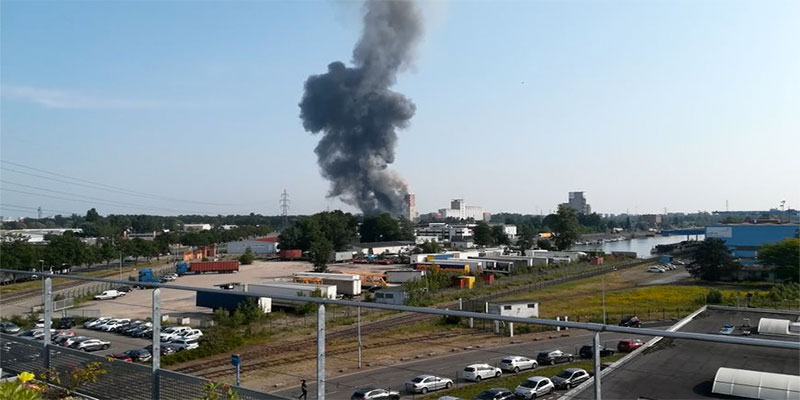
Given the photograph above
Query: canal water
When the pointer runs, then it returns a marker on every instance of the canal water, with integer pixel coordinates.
(641, 246)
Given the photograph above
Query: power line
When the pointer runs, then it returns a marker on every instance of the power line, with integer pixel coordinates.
(4, 205)
(86, 197)
(100, 186)
(106, 203)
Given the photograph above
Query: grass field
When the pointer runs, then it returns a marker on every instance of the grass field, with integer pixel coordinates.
(512, 381)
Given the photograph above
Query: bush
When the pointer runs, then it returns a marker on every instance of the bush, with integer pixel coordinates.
(714, 296)
(451, 319)
(247, 257)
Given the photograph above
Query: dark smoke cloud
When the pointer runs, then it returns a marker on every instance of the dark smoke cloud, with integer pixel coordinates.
(359, 115)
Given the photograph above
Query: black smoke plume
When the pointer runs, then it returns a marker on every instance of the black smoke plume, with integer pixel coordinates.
(358, 114)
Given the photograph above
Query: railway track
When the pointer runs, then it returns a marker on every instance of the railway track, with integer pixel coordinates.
(263, 356)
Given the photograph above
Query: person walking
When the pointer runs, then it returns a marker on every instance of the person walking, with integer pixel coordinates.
(304, 390)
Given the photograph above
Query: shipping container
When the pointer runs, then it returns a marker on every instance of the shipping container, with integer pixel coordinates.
(346, 284)
(209, 266)
(403, 275)
(464, 282)
(487, 279)
(341, 256)
(291, 289)
(291, 254)
(229, 301)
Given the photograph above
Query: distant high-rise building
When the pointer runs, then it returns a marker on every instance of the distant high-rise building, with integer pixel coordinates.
(411, 205)
(459, 209)
(578, 203)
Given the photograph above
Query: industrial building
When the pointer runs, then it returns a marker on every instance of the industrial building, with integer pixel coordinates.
(460, 210)
(258, 247)
(391, 295)
(378, 248)
(744, 240)
(577, 202)
(196, 227)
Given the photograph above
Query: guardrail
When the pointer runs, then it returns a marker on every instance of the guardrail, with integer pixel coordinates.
(156, 372)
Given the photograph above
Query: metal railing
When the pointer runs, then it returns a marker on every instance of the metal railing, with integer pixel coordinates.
(157, 374)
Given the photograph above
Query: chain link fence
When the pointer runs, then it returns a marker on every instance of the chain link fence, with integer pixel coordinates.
(122, 379)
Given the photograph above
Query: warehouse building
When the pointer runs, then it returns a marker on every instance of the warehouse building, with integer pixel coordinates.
(258, 247)
(744, 240)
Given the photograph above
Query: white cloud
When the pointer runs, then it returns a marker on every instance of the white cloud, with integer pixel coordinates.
(51, 98)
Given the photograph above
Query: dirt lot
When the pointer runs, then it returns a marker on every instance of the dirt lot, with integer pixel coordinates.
(179, 303)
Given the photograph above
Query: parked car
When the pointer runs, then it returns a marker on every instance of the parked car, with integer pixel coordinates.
(122, 357)
(9, 327)
(185, 344)
(109, 294)
(495, 394)
(534, 387)
(727, 330)
(75, 339)
(554, 357)
(134, 327)
(171, 333)
(97, 321)
(60, 340)
(587, 351)
(192, 334)
(476, 372)
(39, 323)
(92, 345)
(517, 363)
(373, 393)
(140, 355)
(125, 289)
(65, 323)
(678, 262)
(631, 321)
(112, 325)
(628, 345)
(427, 383)
(36, 334)
(655, 268)
(668, 266)
(570, 378)
(166, 348)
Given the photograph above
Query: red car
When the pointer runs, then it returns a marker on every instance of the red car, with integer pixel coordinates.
(122, 357)
(629, 345)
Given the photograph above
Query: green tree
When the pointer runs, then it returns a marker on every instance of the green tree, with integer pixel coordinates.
(498, 236)
(320, 253)
(785, 256)
(483, 234)
(430, 247)
(92, 215)
(566, 227)
(17, 253)
(544, 244)
(385, 228)
(247, 257)
(525, 237)
(712, 261)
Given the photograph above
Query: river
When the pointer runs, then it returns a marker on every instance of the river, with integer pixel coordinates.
(641, 246)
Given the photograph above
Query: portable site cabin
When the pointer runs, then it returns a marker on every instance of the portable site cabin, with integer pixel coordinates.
(522, 309)
(403, 275)
(346, 284)
(391, 295)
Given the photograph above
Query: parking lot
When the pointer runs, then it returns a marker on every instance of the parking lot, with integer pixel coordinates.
(180, 303)
(683, 369)
(119, 343)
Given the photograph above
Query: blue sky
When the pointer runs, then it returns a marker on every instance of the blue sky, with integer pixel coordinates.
(643, 105)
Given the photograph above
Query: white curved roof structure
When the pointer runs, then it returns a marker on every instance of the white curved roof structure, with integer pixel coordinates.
(771, 326)
(756, 384)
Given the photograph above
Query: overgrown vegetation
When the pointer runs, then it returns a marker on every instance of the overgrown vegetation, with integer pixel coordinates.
(247, 258)
(785, 256)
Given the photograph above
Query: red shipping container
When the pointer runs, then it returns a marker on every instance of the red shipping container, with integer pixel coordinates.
(214, 266)
(488, 279)
(291, 254)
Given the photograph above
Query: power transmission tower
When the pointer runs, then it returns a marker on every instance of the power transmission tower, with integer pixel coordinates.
(285, 208)
(39, 212)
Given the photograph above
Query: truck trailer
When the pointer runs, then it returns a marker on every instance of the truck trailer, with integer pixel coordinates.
(229, 301)
(291, 289)
(346, 284)
(183, 268)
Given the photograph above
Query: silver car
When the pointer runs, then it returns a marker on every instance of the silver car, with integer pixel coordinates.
(517, 363)
(428, 383)
(534, 387)
(570, 378)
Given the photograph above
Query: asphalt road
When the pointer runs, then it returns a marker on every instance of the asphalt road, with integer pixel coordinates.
(395, 376)
(119, 343)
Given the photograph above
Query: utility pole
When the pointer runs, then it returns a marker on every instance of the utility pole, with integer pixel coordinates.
(284, 202)
(39, 212)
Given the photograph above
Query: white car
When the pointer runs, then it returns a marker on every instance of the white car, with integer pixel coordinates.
(655, 268)
(668, 266)
(111, 325)
(517, 363)
(192, 334)
(534, 387)
(91, 323)
(185, 344)
(425, 383)
(174, 332)
(109, 294)
(93, 345)
(40, 323)
(476, 372)
(111, 322)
